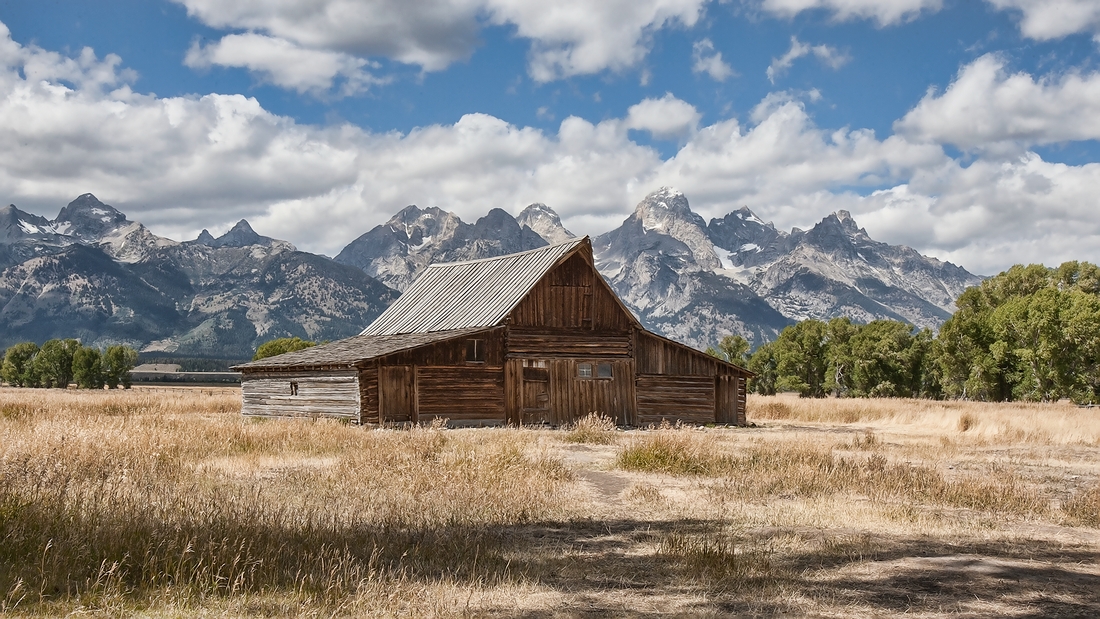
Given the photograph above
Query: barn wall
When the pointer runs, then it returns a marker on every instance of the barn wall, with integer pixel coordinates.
(542, 342)
(572, 296)
(549, 390)
(657, 356)
(319, 394)
(451, 352)
(462, 395)
(368, 393)
(663, 397)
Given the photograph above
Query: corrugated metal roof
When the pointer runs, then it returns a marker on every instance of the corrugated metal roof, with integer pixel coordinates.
(475, 293)
(346, 352)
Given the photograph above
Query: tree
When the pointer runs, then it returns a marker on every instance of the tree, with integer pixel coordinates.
(87, 368)
(732, 348)
(18, 365)
(838, 356)
(764, 364)
(117, 363)
(800, 359)
(280, 346)
(54, 363)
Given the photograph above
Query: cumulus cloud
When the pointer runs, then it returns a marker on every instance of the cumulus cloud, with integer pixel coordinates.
(667, 118)
(285, 64)
(569, 37)
(882, 12)
(705, 59)
(829, 56)
(73, 125)
(1051, 19)
(986, 107)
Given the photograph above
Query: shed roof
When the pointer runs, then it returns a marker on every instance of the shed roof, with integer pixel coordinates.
(474, 293)
(346, 352)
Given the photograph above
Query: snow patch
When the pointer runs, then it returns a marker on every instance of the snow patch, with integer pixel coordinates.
(724, 257)
(748, 247)
(29, 228)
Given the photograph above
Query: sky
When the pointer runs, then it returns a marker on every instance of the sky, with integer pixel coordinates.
(967, 129)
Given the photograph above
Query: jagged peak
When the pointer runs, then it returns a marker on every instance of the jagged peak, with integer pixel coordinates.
(662, 209)
(544, 222)
(205, 238)
(86, 205)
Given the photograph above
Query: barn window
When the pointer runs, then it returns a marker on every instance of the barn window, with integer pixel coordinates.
(603, 370)
(584, 370)
(475, 351)
(293, 388)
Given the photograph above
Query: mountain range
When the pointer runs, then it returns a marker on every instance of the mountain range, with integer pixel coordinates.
(94, 274)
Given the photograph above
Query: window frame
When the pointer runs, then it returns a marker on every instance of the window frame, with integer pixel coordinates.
(475, 350)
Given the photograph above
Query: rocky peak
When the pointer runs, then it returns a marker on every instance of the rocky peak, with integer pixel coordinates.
(836, 230)
(16, 224)
(205, 238)
(240, 235)
(88, 219)
(544, 222)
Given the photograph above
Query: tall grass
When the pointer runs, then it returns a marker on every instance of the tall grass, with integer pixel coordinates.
(127, 493)
(1007, 422)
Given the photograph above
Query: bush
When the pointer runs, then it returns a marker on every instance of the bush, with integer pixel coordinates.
(280, 346)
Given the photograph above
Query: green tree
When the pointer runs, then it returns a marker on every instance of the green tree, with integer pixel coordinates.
(838, 356)
(280, 346)
(54, 363)
(87, 368)
(800, 359)
(732, 348)
(764, 364)
(883, 367)
(18, 365)
(116, 364)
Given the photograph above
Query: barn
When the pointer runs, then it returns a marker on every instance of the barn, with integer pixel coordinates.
(536, 337)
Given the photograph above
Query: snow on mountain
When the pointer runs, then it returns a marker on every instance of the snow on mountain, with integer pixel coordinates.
(545, 222)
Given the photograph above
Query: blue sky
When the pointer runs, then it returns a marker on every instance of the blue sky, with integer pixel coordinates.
(966, 129)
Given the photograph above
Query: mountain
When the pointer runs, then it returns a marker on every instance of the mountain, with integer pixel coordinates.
(92, 273)
(397, 251)
(697, 281)
(664, 266)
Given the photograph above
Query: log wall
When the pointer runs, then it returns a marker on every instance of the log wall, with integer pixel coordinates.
(663, 397)
(573, 296)
(319, 394)
(464, 395)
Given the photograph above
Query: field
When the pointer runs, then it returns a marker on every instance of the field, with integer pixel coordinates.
(168, 503)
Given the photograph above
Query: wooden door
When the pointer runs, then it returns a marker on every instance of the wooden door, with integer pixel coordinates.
(725, 399)
(536, 395)
(397, 394)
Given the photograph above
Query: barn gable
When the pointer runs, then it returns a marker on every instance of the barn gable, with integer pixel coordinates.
(533, 337)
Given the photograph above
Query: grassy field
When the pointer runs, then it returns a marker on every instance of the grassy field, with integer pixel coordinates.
(168, 503)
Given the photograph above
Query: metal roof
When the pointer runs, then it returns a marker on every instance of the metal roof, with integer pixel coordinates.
(475, 293)
(349, 351)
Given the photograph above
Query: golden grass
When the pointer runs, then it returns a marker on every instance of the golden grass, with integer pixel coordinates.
(169, 503)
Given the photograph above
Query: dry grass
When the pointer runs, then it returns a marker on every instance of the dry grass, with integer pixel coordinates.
(172, 504)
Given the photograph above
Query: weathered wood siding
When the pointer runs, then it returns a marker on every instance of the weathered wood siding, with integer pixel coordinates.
(664, 397)
(657, 356)
(451, 352)
(397, 394)
(556, 395)
(470, 395)
(368, 393)
(541, 343)
(573, 296)
(301, 394)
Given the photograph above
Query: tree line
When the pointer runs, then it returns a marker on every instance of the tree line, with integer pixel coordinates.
(60, 362)
(1031, 333)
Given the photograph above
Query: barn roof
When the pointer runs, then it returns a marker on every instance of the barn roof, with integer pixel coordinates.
(346, 352)
(470, 294)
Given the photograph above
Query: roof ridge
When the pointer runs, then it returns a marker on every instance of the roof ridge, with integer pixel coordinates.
(575, 241)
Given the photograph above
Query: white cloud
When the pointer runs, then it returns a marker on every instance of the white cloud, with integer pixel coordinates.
(184, 163)
(667, 118)
(705, 59)
(882, 12)
(285, 64)
(568, 37)
(829, 56)
(1052, 19)
(986, 107)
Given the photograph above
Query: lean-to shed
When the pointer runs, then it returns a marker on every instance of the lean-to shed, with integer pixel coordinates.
(527, 338)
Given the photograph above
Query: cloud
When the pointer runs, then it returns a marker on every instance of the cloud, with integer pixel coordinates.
(73, 125)
(882, 12)
(829, 56)
(568, 37)
(705, 59)
(986, 107)
(667, 118)
(285, 64)
(1051, 19)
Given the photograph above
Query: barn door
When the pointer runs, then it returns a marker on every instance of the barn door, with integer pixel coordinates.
(397, 394)
(725, 399)
(536, 393)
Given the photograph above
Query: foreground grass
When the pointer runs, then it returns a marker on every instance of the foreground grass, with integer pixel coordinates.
(171, 504)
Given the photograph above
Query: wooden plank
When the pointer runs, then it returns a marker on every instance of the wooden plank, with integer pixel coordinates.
(684, 398)
(396, 392)
(466, 393)
(301, 395)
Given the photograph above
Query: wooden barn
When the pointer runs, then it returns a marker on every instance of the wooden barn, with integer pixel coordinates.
(536, 337)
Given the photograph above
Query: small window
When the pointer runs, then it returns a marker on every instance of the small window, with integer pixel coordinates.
(293, 388)
(584, 370)
(603, 370)
(475, 351)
